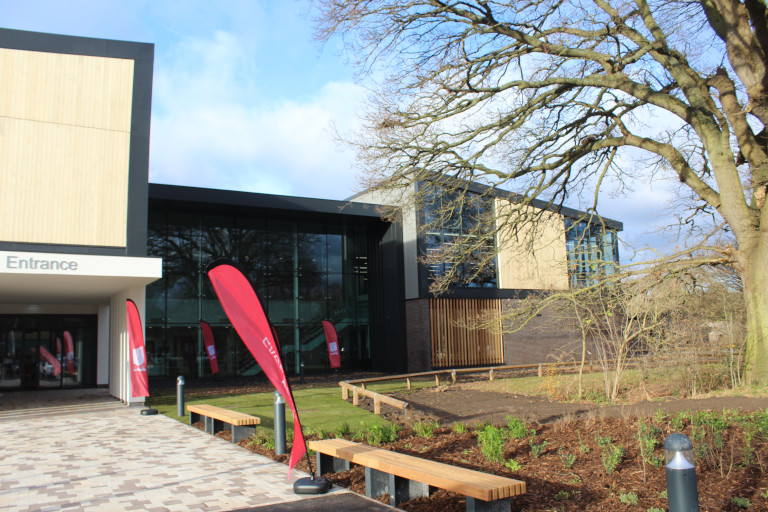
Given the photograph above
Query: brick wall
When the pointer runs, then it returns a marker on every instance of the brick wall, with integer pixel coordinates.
(419, 343)
(546, 338)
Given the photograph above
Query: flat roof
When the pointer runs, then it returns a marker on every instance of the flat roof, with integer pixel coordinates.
(257, 200)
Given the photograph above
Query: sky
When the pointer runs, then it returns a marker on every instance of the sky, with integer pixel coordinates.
(244, 98)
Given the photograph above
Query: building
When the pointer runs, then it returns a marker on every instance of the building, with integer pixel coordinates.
(566, 250)
(82, 230)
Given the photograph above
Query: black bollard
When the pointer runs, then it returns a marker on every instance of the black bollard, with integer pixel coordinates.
(180, 396)
(682, 493)
(279, 424)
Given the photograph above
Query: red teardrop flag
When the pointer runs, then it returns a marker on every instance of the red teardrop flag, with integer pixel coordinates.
(210, 346)
(139, 377)
(333, 344)
(242, 306)
(70, 352)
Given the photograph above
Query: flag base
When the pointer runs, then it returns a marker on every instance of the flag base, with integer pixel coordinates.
(311, 485)
(148, 412)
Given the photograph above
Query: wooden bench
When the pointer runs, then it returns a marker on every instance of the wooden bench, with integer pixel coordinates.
(405, 477)
(241, 425)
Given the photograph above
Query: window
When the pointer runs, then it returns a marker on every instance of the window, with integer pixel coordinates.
(453, 217)
(593, 251)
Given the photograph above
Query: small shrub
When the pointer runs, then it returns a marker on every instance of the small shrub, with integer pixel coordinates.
(612, 455)
(648, 438)
(562, 495)
(583, 447)
(378, 434)
(663, 494)
(537, 449)
(741, 502)
(343, 430)
(655, 509)
(262, 438)
(459, 427)
(513, 465)
(628, 498)
(568, 458)
(425, 428)
(516, 428)
(491, 441)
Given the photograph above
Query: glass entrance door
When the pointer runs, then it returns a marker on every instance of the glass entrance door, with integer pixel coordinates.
(47, 351)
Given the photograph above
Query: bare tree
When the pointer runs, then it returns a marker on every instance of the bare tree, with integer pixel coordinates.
(552, 99)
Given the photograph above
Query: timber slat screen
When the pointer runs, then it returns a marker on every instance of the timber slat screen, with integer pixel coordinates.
(455, 342)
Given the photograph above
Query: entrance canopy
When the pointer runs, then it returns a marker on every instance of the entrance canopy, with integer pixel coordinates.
(55, 278)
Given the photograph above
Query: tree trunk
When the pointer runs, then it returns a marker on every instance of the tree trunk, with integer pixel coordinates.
(755, 282)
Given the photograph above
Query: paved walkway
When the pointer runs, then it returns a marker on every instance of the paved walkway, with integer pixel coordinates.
(87, 451)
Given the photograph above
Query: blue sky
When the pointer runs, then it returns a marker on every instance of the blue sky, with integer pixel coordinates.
(244, 98)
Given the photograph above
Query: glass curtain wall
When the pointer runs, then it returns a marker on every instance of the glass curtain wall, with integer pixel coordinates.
(303, 273)
(593, 251)
(449, 219)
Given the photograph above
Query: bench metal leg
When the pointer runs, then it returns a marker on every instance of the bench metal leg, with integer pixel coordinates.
(241, 432)
(329, 464)
(193, 417)
(500, 505)
(376, 483)
(209, 425)
(402, 490)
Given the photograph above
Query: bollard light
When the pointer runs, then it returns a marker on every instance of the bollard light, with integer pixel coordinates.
(682, 493)
(279, 424)
(180, 396)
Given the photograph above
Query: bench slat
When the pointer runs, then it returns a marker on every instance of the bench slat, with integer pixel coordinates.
(482, 486)
(232, 417)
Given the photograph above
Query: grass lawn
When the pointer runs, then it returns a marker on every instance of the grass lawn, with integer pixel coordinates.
(320, 408)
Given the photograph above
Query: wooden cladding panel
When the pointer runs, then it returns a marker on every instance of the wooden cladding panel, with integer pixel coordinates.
(63, 184)
(78, 90)
(532, 257)
(456, 341)
(64, 148)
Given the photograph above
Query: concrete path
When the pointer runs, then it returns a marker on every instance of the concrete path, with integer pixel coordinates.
(88, 451)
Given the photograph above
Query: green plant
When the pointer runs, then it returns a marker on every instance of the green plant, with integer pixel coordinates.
(677, 423)
(379, 433)
(343, 430)
(568, 458)
(583, 447)
(612, 455)
(663, 494)
(562, 495)
(764, 494)
(491, 441)
(648, 439)
(628, 498)
(741, 502)
(425, 428)
(516, 428)
(459, 427)
(659, 416)
(655, 509)
(513, 465)
(537, 449)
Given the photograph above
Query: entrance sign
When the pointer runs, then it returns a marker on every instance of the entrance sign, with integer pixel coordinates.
(139, 377)
(243, 308)
(210, 346)
(332, 341)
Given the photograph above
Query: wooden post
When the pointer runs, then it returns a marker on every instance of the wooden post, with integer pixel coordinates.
(355, 397)
(437, 380)
(408, 381)
(376, 404)
(344, 391)
(541, 372)
(453, 376)
(490, 374)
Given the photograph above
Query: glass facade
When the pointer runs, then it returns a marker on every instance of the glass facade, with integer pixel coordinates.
(449, 217)
(303, 272)
(593, 251)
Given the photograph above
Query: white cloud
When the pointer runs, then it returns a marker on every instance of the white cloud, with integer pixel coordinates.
(215, 124)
